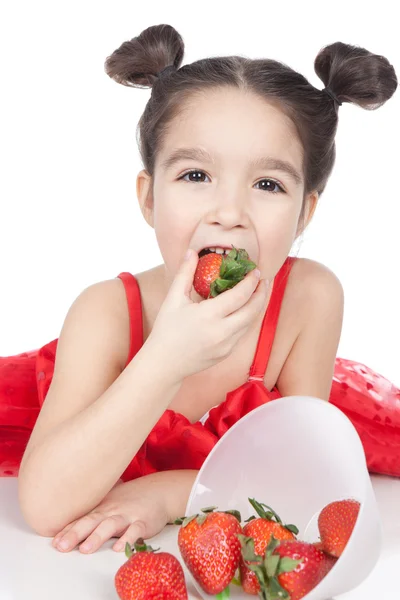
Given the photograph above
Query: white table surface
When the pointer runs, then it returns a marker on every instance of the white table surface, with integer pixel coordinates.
(31, 569)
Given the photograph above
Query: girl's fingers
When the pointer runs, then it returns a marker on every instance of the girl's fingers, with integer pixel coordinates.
(108, 528)
(77, 531)
(131, 535)
(61, 533)
(231, 300)
(245, 315)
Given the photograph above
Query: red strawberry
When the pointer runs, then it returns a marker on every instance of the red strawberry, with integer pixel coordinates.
(327, 564)
(210, 548)
(335, 523)
(216, 273)
(147, 575)
(311, 567)
(261, 531)
(318, 545)
(329, 560)
(289, 570)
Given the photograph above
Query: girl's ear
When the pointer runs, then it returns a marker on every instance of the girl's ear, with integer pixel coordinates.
(311, 204)
(144, 192)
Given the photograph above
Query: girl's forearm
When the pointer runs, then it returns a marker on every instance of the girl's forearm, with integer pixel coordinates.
(178, 485)
(78, 463)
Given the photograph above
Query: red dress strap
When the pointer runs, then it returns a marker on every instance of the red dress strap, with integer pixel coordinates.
(132, 291)
(270, 322)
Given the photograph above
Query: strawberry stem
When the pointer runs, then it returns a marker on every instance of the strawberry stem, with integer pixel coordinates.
(270, 515)
(139, 546)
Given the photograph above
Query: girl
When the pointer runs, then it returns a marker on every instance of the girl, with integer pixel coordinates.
(146, 376)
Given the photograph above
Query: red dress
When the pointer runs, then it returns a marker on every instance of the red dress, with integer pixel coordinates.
(369, 400)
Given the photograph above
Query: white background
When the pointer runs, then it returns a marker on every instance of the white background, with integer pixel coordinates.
(69, 212)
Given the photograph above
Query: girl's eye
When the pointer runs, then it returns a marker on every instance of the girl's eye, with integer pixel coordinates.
(265, 188)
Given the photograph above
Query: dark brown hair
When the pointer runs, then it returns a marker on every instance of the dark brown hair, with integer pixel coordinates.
(352, 73)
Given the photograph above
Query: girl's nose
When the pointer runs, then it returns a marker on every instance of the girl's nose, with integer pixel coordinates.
(228, 212)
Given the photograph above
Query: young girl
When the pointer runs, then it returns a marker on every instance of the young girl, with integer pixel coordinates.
(107, 426)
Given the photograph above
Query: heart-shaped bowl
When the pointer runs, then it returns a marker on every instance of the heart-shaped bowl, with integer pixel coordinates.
(295, 454)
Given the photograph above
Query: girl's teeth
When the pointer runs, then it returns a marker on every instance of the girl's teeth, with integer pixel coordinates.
(219, 250)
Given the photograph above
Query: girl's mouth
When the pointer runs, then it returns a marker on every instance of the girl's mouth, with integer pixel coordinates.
(216, 250)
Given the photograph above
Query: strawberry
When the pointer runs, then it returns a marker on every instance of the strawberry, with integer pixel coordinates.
(327, 564)
(319, 545)
(335, 523)
(210, 548)
(261, 531)
(148, 575)
(289, 570)
(216, 273)
(329, 560)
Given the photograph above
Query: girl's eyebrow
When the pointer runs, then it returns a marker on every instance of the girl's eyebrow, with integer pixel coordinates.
(262, 162)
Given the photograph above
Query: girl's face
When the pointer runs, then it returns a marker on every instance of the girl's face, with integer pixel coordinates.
(228, 198)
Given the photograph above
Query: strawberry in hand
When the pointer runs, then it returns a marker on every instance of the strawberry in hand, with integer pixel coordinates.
(261, 530)
(210, 548)
(147, 575)
(216, 273)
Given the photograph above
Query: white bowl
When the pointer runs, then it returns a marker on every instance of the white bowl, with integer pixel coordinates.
(310, 454)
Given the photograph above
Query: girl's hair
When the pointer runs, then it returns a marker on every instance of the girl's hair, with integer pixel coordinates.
(352, 73)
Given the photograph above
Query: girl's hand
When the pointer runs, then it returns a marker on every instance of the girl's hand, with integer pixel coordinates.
(194, 336)
(130, 510)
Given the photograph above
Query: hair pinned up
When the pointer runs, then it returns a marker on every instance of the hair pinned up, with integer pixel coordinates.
(138, 62)
(351, 73)
(356, 75)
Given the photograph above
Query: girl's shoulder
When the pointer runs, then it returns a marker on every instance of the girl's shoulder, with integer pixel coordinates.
(312, 311)
(313, 270)
(116, 293)
(312, 282)
(110, 295)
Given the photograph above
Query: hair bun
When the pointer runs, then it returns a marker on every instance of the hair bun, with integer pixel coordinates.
(138, 61)
(356, 75)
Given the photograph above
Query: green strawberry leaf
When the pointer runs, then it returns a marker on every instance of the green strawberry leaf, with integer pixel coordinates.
(201, 518)
(277, 591)
(187, 520)
(128, 550)
(242, 254)
(235, 513)
(271, 564)
(236, 578)
(278, 519)
(220, 285)
(233, 253)
(224, 594)
(248, 265)
(234, 270)
(273, 543)
(270, 515)
(287, 564)
(247, 549)
(222, 269)
(292, 528)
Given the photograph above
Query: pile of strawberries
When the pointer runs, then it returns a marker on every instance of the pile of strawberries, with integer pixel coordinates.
(264, 556)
